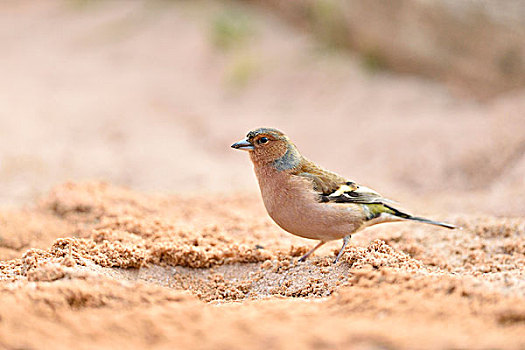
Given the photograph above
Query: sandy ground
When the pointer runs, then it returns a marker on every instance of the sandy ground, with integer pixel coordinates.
(175, 248)
(139, 270)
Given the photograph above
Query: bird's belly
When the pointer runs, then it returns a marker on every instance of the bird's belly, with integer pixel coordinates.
(295, 209)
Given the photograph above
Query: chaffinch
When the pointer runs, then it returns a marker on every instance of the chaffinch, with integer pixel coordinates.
(309, 201)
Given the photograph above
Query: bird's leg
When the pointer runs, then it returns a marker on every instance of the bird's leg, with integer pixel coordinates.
(304, 257)
(346, 239)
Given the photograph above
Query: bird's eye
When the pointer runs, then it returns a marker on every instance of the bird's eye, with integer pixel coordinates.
(263, 140)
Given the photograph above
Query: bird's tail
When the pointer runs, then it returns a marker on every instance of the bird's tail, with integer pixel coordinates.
(419, 219)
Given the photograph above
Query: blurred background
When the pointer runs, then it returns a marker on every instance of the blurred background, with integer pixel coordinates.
(422, 100)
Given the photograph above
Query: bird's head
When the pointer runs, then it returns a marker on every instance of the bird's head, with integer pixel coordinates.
(270, 146)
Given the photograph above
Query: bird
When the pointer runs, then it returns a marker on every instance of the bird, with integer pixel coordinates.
(309, 201)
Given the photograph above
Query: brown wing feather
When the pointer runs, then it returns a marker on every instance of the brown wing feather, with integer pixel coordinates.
(325, 182)
(335, 188)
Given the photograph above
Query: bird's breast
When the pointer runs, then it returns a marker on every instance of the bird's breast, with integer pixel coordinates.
(292, 203)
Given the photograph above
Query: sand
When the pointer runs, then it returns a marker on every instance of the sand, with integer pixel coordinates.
(109, 266)
(170, 246)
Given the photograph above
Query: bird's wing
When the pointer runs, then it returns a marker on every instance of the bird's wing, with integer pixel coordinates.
(350, 192)
(333, 188)
(336, 189)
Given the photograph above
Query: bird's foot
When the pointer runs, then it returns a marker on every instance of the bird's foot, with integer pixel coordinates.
(346, 239)
(303, 258)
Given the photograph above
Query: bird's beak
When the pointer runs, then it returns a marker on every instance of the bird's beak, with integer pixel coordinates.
(244, 145)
